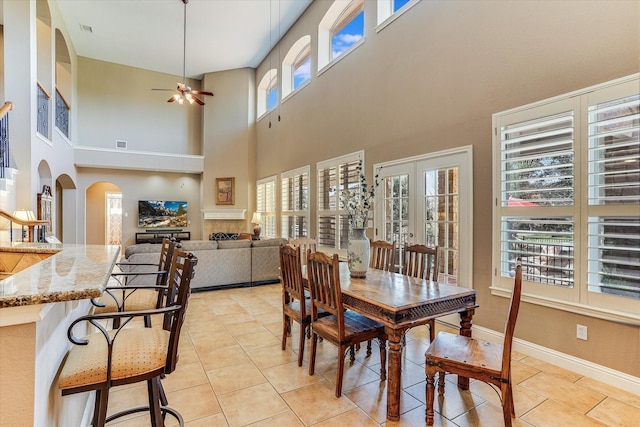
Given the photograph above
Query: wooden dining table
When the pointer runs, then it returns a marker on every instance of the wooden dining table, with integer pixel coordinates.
(401, 302)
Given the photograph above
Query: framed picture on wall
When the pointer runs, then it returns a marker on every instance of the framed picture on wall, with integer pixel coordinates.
(224, 191)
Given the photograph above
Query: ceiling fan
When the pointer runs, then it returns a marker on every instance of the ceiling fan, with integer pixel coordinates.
(185, 93)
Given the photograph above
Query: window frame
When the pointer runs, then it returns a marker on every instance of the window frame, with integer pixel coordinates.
(578, 299)
(297, 55)
(295, 212)
(338, 16)
(338, 213)
(269, 217)
(386, 14)
(268, 82)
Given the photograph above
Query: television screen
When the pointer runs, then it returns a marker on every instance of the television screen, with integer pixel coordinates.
(162, 214)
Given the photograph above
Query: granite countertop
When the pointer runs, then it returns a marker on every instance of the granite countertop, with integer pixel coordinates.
(74, 272)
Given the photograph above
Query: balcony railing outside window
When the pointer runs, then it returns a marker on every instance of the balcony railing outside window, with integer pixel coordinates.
(62, 114)
(43, 111)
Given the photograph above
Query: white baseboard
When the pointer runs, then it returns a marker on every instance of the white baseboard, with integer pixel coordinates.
(583, 367)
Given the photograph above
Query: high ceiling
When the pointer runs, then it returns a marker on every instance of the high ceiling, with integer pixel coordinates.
(220, 35)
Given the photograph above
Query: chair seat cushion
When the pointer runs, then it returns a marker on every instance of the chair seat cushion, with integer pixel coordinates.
(140, 299)
(136, 351)
(355, 325)
(457, 349)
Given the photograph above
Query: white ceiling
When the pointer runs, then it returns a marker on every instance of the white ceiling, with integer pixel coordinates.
(221, 34)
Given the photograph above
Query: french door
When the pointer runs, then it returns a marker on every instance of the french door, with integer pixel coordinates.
(428, 200)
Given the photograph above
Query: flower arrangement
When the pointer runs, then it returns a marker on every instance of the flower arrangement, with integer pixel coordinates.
(358, 202)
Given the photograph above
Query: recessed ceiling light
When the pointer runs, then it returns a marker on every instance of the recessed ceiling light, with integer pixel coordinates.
(86, 28)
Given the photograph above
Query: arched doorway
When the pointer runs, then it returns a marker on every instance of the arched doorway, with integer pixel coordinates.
(103, 214)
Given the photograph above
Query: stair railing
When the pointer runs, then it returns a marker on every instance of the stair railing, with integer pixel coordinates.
(35, 228)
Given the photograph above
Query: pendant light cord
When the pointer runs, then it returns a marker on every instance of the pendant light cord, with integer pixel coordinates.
(184, 43)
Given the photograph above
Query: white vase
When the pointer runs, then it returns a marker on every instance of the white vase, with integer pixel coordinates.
(358, 253)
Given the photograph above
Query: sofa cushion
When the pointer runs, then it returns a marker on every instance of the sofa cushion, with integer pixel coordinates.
(198, 245)
(234, 244)
(142, 248)
(268, 242)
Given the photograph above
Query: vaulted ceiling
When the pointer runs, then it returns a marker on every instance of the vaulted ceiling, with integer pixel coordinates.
(220, 34)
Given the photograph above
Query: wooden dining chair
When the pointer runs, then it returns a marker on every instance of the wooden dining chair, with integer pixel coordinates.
(128, 295)
(304, 243)
(473, 358)
(422, 262)
(96, 362)
(383, 255)
(341, 327)
(295, 305)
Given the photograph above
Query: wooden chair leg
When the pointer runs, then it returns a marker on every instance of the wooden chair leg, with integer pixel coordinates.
(285, 331)
(163, 395)
(340, 372)
(507, 404)
(147, 321)
(432, 331)
(441, 383)
(153, 389)
(368, 348)
(312, 356)
(301, 344)
(430, 392)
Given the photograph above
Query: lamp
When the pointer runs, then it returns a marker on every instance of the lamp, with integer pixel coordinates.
(257, 220)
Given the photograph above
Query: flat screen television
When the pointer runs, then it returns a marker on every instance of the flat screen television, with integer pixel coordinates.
(162, 214)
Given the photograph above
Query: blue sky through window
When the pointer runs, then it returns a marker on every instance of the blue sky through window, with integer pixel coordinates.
(272, 98)
(349, 35)
(302, 73)
(397, 4)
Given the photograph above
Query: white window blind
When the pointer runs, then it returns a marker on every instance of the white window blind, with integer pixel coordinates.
(334, 176)
(266, 205)
(614, 180)
(568, 199)
(295, 203)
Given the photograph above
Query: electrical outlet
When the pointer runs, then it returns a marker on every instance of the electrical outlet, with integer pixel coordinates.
(581, 332)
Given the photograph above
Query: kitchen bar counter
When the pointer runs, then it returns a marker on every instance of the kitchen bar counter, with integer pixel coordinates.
(68, 272)
(45, 287)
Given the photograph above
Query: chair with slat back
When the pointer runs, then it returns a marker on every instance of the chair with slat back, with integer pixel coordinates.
(473, 358)
(295, 305)
(96, 362)
(130, 296)
(422, 262)
(304, 243)
(383, 255)
(341, 327)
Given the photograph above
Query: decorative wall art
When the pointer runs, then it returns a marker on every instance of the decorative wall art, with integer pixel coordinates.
(225, 191)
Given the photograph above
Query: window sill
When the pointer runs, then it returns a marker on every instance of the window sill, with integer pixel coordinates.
(339, 58)
(388, 20)
(296, 90)
(572, 307)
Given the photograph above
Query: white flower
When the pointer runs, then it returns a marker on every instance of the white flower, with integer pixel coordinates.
(358, 202)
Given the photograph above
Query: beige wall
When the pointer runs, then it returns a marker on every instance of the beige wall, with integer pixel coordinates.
(229, 142)
(115, 102)
(431, 80)
(134, 185)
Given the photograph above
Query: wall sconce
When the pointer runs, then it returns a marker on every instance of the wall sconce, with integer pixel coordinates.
(257, 220)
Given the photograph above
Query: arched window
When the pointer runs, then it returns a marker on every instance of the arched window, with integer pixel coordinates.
(341, 29)
(268, 92)
(296, 66)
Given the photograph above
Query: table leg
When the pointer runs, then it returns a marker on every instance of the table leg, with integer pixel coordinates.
(465, 329)
(394, 373)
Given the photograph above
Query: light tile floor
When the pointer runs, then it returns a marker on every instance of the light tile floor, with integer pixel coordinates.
(232, 372)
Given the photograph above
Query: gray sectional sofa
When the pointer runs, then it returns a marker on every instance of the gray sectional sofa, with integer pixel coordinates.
(223, 263)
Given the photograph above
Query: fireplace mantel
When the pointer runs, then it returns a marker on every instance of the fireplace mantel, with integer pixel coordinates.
(224, 214)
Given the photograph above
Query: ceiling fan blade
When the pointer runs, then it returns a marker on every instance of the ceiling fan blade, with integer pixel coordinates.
(200, 92)
(164, 89)
(171, 99)
(198, 100)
